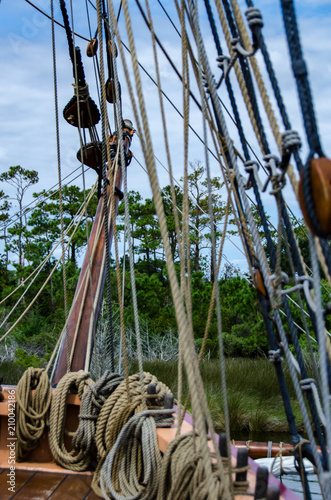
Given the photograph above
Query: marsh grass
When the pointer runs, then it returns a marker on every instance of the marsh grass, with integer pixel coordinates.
(254, 400)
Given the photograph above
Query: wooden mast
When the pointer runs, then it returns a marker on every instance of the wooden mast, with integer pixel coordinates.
(81, 319)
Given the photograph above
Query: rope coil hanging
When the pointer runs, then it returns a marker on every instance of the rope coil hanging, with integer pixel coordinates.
(77, 459)
(32, 410)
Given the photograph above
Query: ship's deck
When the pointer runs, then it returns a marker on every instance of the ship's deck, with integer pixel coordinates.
(43, 485)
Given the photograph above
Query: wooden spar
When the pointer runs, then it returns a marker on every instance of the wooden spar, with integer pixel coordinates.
(81, 319)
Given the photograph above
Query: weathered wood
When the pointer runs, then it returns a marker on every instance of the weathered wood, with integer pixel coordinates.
(81, 313)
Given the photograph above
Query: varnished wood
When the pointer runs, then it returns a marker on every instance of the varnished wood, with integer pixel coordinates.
(320, 182)
(74, 487)
(92, 47)
(40, 486)
(32, 485)
(21, 477)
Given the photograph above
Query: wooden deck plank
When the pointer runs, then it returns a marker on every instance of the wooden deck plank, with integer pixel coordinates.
(92, 496)
(72, 488)
(21, 477)
(40, 486)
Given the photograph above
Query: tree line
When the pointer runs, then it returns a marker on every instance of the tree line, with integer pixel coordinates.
(29, 234)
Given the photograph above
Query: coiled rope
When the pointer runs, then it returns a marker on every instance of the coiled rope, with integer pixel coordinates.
(32, 410)
(92, 402)
(117, 411)
(77, 459)
(133, 466)
(183, 475)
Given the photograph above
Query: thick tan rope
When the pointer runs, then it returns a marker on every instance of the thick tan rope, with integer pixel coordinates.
(259, 80)
(198, 396)
(132, 468)
(32, 410)
(118, 409)
(238, 72)
(76, 459)
(92, 402)
(182, 473)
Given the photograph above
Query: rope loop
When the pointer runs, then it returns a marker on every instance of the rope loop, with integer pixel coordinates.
(309, 384)
(92, 402)
(81, 90)
(255, 23)
(78, 459)
(132, 468)
(32, 409)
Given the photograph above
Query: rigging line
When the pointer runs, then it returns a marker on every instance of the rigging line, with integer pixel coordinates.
(223, 104)
(169, 198)
(43, 286)
(178, 183)
(39, 199)
(169, 100)
(199, 401)
(60, 181)
(72, 223)
(166, 54)
(105, 153)
(168, 16)
(37, 271)
(121, 152)
(56, 22)
(193, 10)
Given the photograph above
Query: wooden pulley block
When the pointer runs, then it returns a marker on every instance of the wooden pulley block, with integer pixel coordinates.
(112, 48)
(258, 282)
(89, 113)
(92, 155)
(320, 185)
(110, 90)
(92, 47)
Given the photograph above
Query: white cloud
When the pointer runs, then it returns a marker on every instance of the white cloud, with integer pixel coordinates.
(27, 129)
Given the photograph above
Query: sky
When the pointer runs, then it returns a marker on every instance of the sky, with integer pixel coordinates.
(27, 125)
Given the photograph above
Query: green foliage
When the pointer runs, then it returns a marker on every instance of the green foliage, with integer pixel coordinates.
(25, 360)
(11, 372)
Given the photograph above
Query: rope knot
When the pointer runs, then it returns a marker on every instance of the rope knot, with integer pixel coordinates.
(275, 356)
(254, 18)
(291, 142)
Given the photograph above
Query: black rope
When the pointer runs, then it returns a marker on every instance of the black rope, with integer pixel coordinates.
(301, 76)
(74, 52)
(228, 83)
(275, 86)
(264, 306)
(248, 80)
(56, 22)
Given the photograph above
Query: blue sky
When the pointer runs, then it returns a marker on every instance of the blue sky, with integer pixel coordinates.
(27, 130)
